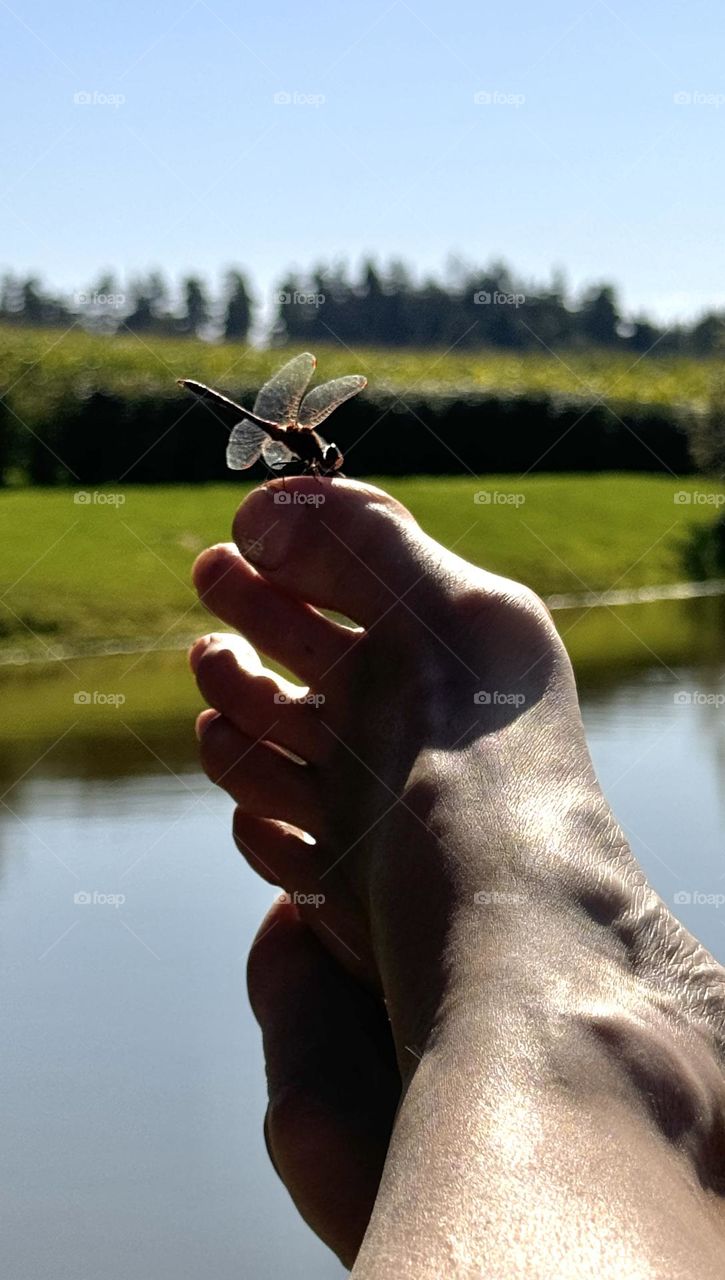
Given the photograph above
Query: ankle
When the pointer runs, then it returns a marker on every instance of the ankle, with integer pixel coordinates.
(592, 1096)
(579, 1030)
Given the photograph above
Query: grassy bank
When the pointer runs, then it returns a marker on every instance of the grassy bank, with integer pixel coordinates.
(84, 573)
(38, 367)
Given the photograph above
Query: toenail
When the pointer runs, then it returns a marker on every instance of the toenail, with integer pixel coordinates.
(197, 651)
(263, 528)
(203, 720)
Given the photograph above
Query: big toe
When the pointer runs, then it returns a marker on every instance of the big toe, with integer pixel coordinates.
(342, 545)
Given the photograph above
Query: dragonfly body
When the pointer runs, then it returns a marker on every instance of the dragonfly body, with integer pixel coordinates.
(281, 427)
(312, 450)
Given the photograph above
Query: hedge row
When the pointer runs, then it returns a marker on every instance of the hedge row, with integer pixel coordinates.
(151, 438)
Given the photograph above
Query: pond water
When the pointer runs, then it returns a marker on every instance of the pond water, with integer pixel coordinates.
(133, 1086)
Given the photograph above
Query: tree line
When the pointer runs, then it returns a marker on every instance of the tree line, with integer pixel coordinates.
(381, 306)
(145, 305)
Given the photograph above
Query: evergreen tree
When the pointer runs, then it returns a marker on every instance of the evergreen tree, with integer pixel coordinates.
(238, 308)
(196, 312)
(599, 318)
(149, 305)
(11, 297)
(708, 336)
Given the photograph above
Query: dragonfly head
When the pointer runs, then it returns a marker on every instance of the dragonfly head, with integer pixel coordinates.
(332, 458)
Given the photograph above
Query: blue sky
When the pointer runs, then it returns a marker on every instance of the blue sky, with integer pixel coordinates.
(578, 157)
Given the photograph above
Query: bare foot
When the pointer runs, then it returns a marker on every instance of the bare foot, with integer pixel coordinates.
(467, 867)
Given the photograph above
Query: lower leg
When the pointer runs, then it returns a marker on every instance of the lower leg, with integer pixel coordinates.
(550, 1130)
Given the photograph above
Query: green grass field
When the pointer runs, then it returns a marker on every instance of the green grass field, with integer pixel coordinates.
(39, 367)
(83, 574)
(78, 576)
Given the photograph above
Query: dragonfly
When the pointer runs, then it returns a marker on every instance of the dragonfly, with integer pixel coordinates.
(281, 429)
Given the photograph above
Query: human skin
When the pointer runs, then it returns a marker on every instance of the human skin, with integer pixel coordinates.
(492, 1050)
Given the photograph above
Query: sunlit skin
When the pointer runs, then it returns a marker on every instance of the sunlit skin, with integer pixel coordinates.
(491, 1050)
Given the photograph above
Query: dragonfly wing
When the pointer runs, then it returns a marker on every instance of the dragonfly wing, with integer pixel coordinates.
(276, 454)
(279, 399)
(319, 403)
(245, 445)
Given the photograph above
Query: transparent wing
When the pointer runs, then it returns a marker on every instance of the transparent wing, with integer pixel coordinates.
(276, 454)
(245, 445)
(319, 403)
(279, 399)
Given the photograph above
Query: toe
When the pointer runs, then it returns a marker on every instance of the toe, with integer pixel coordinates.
(355, 549)
(282, 856)
(261, 778)
(286, 629)
(232, 680)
